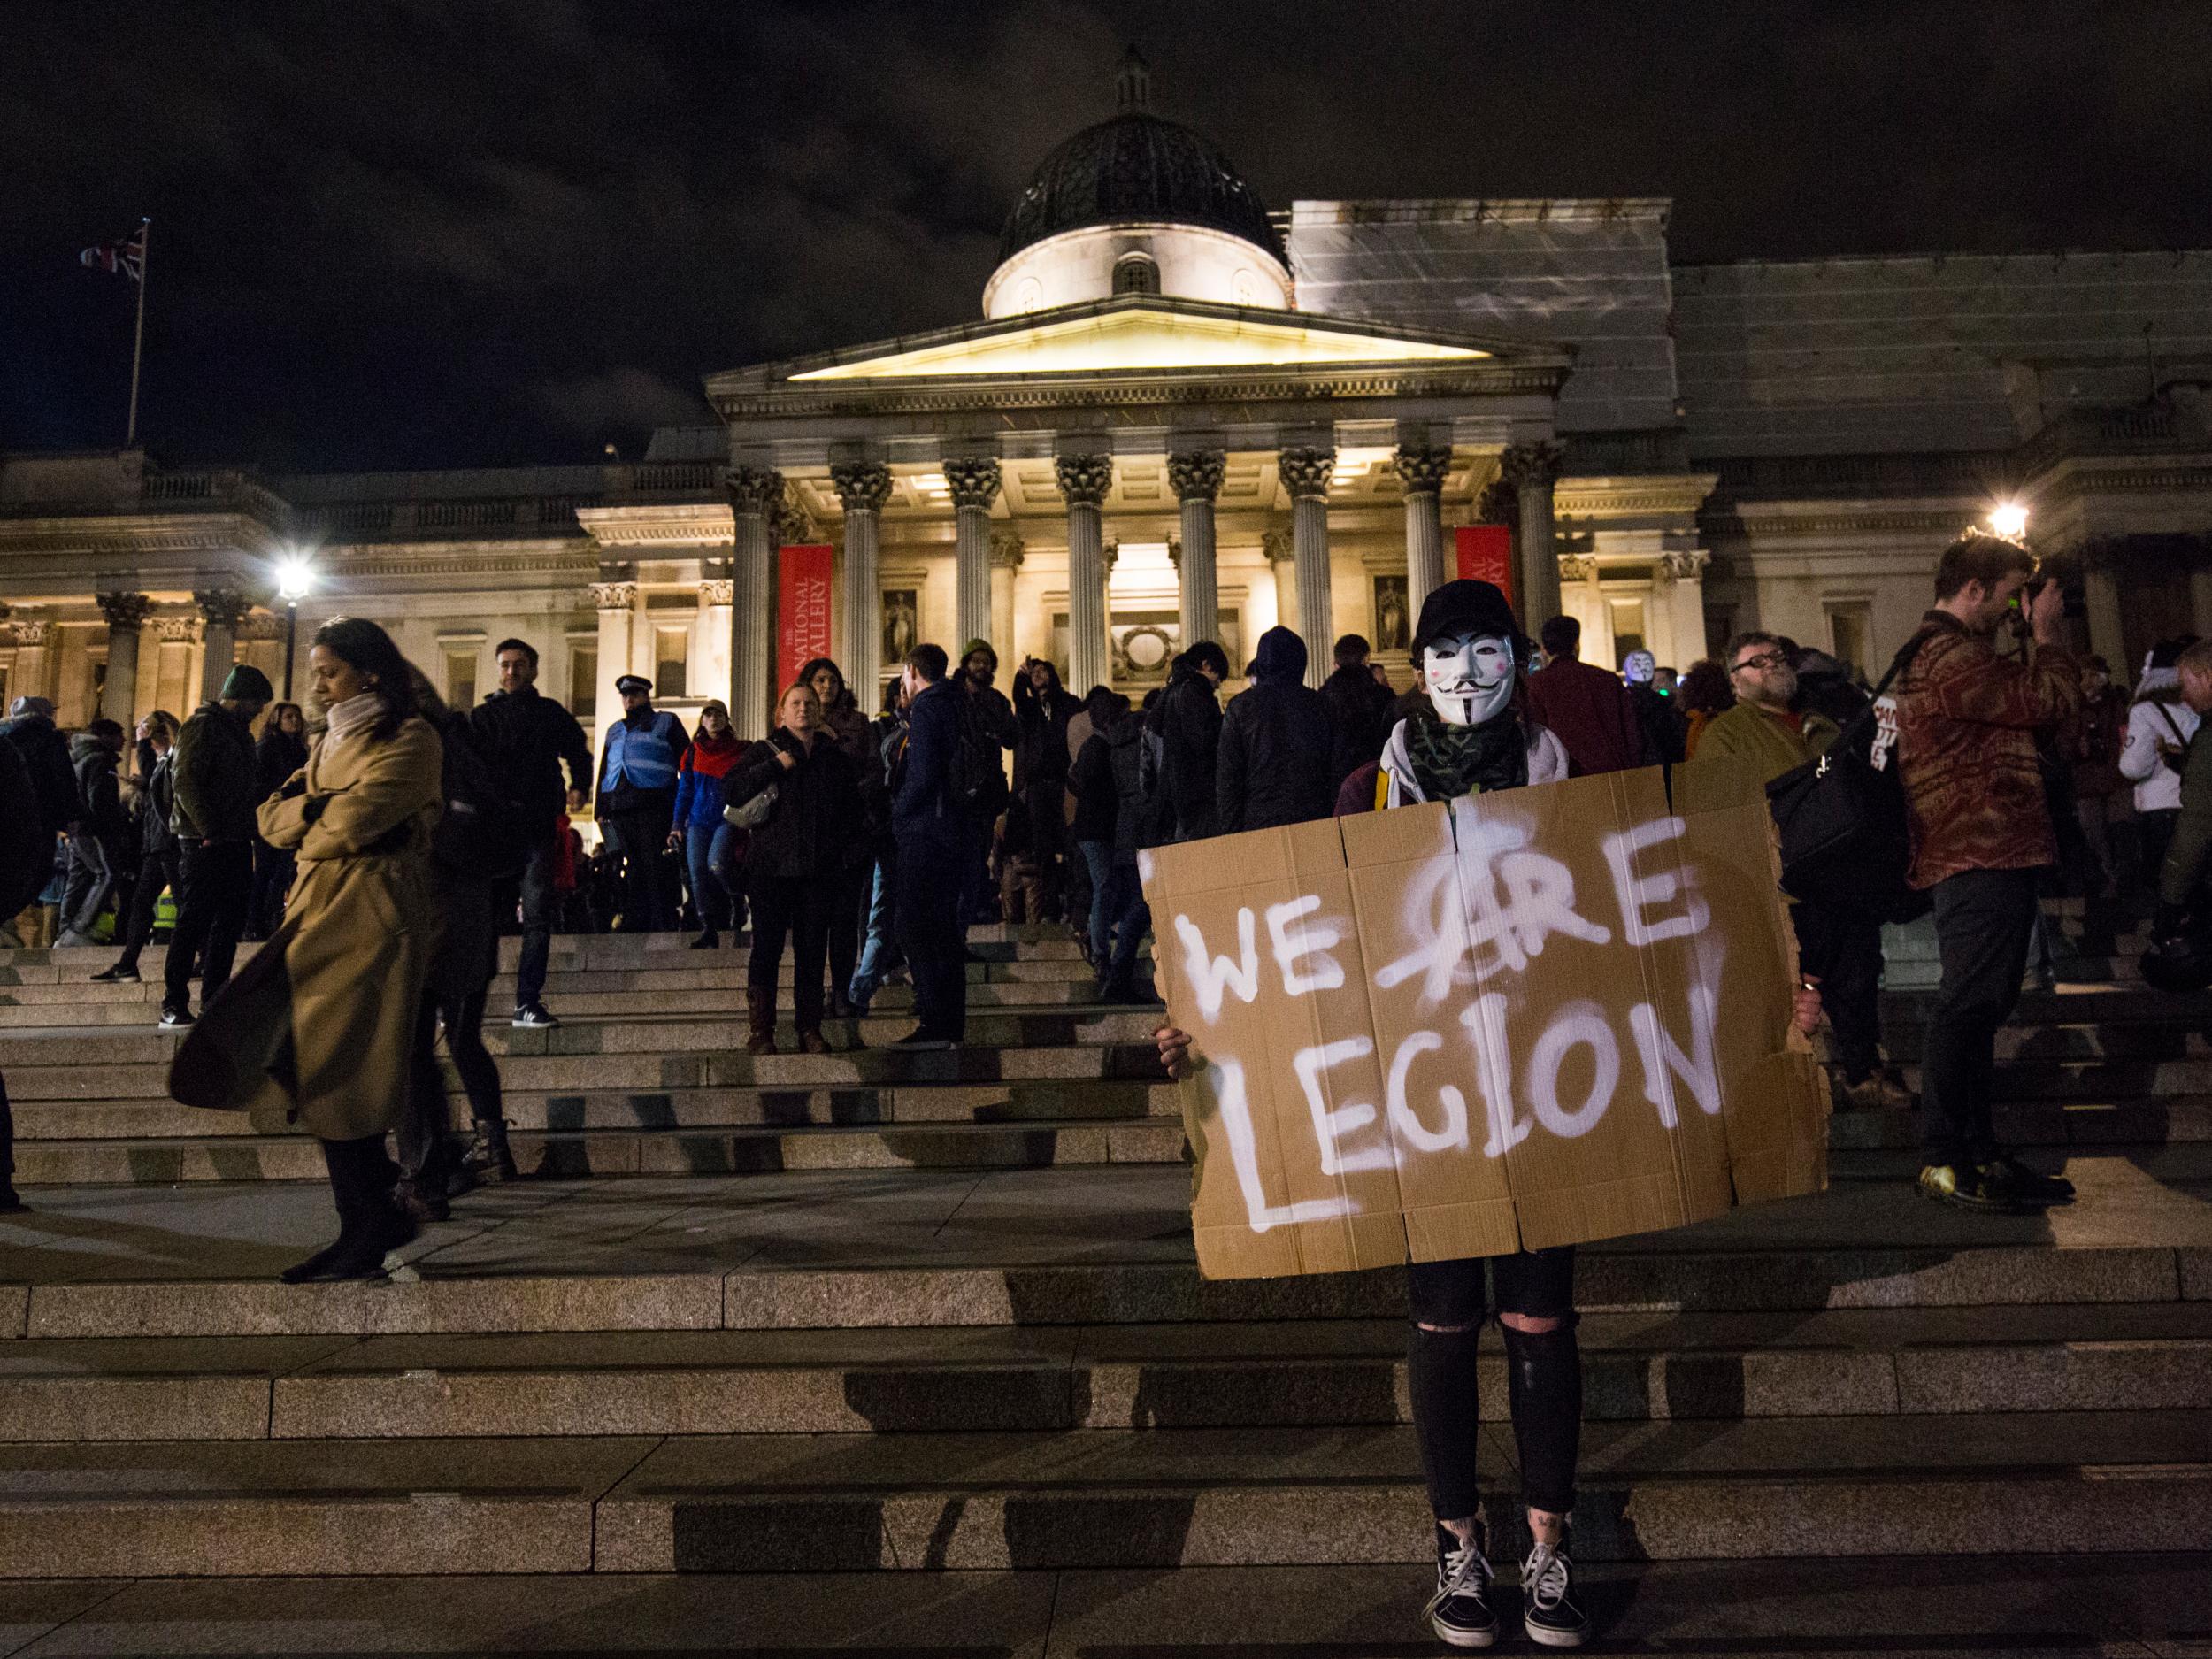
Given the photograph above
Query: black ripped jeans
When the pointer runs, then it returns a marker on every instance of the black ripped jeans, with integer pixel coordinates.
(1544, 1372)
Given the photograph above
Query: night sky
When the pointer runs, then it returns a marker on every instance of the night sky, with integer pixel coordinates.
(437, 233)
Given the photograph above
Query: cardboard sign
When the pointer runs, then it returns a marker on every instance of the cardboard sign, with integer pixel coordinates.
(1533, 1018)
(1485, 554)
(802, 610)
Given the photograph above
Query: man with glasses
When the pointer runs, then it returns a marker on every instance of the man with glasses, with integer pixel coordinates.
(1839, 948)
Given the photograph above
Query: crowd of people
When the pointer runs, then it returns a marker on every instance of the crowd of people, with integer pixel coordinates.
(381, 852)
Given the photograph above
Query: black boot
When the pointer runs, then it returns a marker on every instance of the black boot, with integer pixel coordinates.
(370, 1224)
(487, 1158)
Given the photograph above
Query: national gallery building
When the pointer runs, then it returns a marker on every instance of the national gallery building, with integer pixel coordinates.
(1183, 414)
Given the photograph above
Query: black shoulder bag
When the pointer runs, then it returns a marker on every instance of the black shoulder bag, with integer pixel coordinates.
(1841, 815)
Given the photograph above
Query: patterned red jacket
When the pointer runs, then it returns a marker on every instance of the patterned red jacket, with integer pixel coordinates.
(1967, 720)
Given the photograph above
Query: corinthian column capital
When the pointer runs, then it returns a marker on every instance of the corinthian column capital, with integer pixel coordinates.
(1535, 464)
(613, 596)
(1196, 474)
(1083, 478)
(1306, 471)
(222, 607)
(1278, 546)
(973, 481)
(861, 485)
(124, 610)
(754, 489)
(1006, 550)
(1421, 471)
(1498, 503)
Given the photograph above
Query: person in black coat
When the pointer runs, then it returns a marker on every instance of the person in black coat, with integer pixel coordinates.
(30, 729)
(1278, 743)
(1042, 709)
(279, 751)
(1188, 722)
(930, 819)
(1360, 701)
(1097, 807)
(815, 831)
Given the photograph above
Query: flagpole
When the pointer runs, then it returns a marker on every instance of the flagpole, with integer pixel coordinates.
(138, 334)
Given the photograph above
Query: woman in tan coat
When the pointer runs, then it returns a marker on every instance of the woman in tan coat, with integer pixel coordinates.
(359, 929)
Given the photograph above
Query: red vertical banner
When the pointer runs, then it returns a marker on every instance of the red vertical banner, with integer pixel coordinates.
(1485, 555)
(802, 610)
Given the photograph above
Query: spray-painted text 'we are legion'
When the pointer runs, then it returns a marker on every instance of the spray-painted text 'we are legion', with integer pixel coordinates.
(1473, 920)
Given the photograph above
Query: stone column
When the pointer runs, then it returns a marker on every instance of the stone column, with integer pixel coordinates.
(172, 668)
(1084, 481)
(1196, 475)
(615, 602)
(32, 635)
(1423, 471)
(1305, 473)
(718, 596)
(222, 611)
(126, 614)
(1681, 585)
(1006, 559)
(755, 495)
(2107, 636)
(974, 483)
(2200, 610)
(862, 487)
(1532, 468)
(1276, 545)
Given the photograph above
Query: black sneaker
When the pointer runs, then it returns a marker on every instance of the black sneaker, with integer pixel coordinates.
(2031, 1187)
(1459, 1610)
(117, 975)
(1549, 1612)
(532, 1016)
(173, 1019)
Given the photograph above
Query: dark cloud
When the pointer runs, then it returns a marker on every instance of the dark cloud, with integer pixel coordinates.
(437, 232)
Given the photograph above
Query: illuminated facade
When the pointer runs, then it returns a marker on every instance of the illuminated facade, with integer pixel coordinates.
(1183, 416)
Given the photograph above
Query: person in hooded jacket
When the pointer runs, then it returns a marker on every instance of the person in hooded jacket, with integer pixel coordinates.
(30, 730)
(1278, 744)
(1110, 821)
(848, 725)
(279, 751)
(798, 862)
(1187, 721)
(711, 844)
(98, 854)
(25, 847)
(1042, 712)
(1359, 699)
(157, 844)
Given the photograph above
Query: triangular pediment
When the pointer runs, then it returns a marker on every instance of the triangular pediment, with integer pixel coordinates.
(1147, 335)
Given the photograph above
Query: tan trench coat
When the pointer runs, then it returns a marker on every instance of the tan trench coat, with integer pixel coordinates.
(359, 929)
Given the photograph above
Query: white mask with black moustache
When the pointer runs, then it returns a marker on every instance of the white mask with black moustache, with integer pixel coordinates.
(1469, 677)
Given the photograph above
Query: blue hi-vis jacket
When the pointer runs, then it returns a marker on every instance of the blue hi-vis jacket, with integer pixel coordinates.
(642, 757)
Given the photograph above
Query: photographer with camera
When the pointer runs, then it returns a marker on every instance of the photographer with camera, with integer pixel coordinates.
(1979, 818)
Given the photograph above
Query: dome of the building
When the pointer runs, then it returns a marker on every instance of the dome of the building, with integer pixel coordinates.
(1137, 168)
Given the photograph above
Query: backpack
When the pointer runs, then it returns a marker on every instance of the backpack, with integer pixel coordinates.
(483, 833)
(978, 780)
(1841, 817)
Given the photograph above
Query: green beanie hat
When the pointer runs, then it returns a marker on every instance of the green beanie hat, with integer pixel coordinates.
(973, 646)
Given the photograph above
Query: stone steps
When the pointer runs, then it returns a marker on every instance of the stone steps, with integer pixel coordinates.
(1640, 1368)
(2059, 1483)
(1783, 1609)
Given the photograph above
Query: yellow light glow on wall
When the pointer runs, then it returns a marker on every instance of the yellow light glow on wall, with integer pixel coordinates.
(1140, 339)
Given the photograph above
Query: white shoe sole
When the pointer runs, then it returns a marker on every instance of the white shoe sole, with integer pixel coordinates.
(1544, 1638)
(1463, 1638)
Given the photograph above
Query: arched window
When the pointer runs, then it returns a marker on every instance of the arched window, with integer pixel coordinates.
(1136, 274)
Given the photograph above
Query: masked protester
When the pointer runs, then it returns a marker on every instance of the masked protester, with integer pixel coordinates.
(1469, 737)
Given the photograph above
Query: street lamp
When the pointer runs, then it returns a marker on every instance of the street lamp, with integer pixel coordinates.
(296, 579)
(2009, 519)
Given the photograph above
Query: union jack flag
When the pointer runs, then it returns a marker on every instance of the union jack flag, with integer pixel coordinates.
(127, 256)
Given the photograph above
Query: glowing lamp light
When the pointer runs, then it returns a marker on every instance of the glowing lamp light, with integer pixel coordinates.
(295, 580)
(2009, 519)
